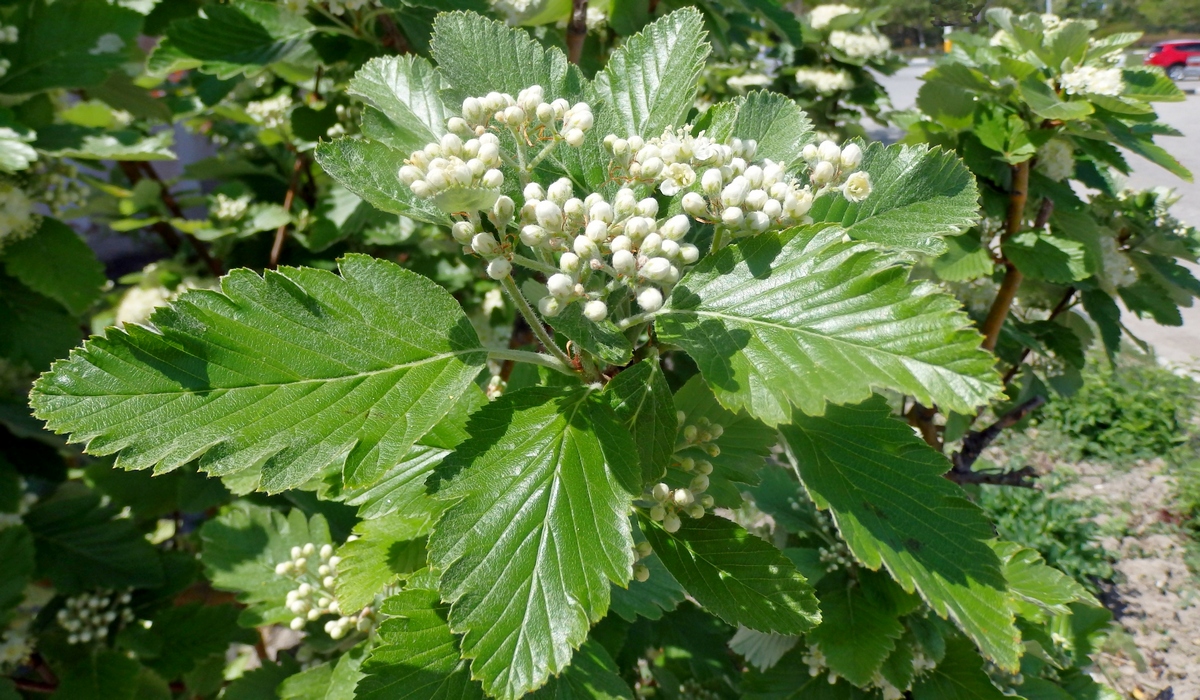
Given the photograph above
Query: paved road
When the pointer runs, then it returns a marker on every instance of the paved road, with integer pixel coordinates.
(1174, 345)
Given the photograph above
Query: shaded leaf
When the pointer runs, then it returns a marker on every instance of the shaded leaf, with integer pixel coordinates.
(641, 400)
(54, 261)
(405, 90)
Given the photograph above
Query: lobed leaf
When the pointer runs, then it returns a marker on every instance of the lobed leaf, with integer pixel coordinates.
(641, 399)
(536, 532)
(736, 576)
(804, 317)
(885, 489)
(775, 121)
(404, 89)
(385, 549)
(370, 170)
(54, 261)
(919, 195)
(300, 371)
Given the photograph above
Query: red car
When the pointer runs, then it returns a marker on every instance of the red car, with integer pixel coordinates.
(1172, 56)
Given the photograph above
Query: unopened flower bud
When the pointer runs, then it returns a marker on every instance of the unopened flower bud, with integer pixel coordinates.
(560, 191)
(560, 286)
(671, 522)
(695, 511)
(499, 268)
(699, 483)
(650, 299)
(809, 152)
(533, 191)
(694, 205)
(651, 245)
(657, 512)
(624, 262)
(647, 207)
(704, 466)
(675, 228)
(851, 157)
(682, 497)
(533, 235)
(484, 243)
(549, 306)
(597, 231)
(409, 174)
(493, 179)
(735, 192)
(595, 311)
(643, 549)
(549, 215)
(732, 217)
(829, 152)
(569, 263)
(641, 573)
(656, 269)
(585, 247)
(823, 172)
(661, 492)
(707, 501)
(463, 232)
(574, 138)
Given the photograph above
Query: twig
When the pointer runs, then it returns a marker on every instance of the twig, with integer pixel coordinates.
(1017, 197)
(535, 324)
(281, 232)
(921, 418)
(392, 36)
(1022, 477)
(977, 441)
(136, 172)
(577, 30)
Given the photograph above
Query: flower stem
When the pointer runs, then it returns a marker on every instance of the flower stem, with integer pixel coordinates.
(535, 323)
(537, 265)
(535, 358)
(542, 154)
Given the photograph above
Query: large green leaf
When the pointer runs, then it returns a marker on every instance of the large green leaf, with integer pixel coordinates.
(959, 676)
(243, 36)
(82, 545)
(650, 82)
(537, 531)
(298, 371)
(1049, 258)
(775, 121)
(480, 55)
(592, 675)
(405, 90)
(34, 329)
(642, 401)
(369, 169)
(1150, 84)
(859, 626)
(650, 598)
(735, 575)
(241, 548)
(93, 143)
(67, 44)
(418, 657)
(1031, 579)
(918, 196)
(601, 339)
(17, 553)
(790, 679)
(110, 674)
(804, 317)
(1046, 104)
(885, 489)
(332, 680)
(54, 261)
(384, 549)
(180, 636)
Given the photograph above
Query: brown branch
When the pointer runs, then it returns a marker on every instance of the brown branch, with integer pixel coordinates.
(577, 30)
(393, 38)
(1018, 195)
(976, 442)
(136, 171)
(921, 418)
(281, 232)
(1022, 477)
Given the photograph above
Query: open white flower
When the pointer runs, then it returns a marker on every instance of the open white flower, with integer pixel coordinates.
(822, 15)
(1094, 81)
(824, 81)
(857, 186)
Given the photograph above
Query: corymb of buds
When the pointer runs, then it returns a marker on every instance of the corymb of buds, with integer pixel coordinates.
(89, 616)
(454, 164)
(314, 569)
(837, 167)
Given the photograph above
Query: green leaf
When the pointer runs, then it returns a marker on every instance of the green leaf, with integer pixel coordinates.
(958, 676)
(641, 400)
(1031, 579)
(1049, 258)
(1048, 105)
(803, 318)
(538, 529)
(109, 674)
(592, 675)
(1105, 313)
(965, 259)
(15, 151)
(368, 169)
(241, 548)
(401, 489)
(918, 196)
(743, 445)
(418, 658)
(81, 545)
(68, 44)
(366, 364)
(328, 681)
(1147, 297)
(650, 598)
(1150, 84)
(187, 633)
(17, 553)
(33, 329)
(405, 90)
(791, 680)
(735, 575)
(775, 121)
(600, 339)
(92, 143)
(885, 488)
(478, 55)
(263, 681)
(650, 81)
(386, 549)
(859, 626)
(1144, 147)
(54, 261)
(243, 36)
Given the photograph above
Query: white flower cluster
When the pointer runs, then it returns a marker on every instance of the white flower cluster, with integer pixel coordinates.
(454, 164)
(28, 498)
(528, 116)
(17, 219)
(88, 616)
(139, 302)
(15, 646)
(818, 664)
(1117, 269)
(690, 500)
(1089, 80)
(835, 556)
(271, 112)
(226, 208)
(822, 15)
(824, 81)
(5, 64)
(337, 7)
(641, 550)
(58, 185)
(1056, 159)
(745, 81)
(9, 34)
(315, 571)
(864, 44)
